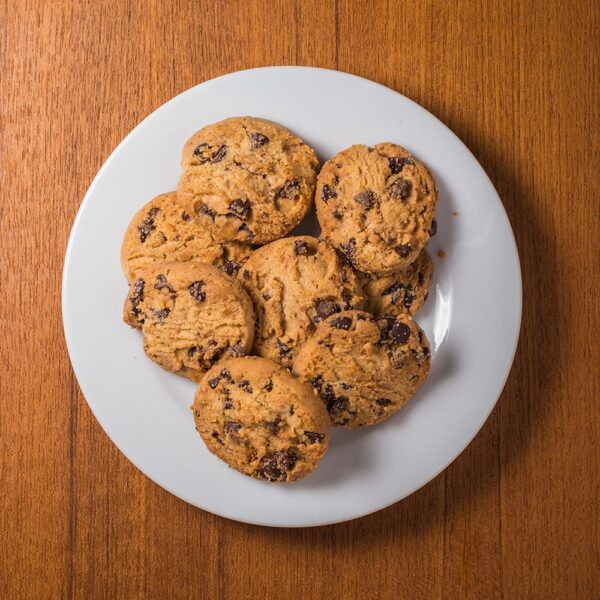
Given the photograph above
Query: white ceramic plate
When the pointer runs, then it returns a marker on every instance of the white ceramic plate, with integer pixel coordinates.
(472, 316)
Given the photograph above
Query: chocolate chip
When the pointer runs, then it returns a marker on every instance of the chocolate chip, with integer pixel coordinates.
(199, 151)
(275, 467)
(397, 164)
(196, 291)
(302, 248)
(347, 300)
(433, 229)
(137, 295)
(342, 323)
(400, 189)
(327, 192)
(185, 216)
(232, 427)
(161, 283)
(247, 230)
(236, 350)
(425, 349)
(240, 208)
(328, 395)
(204, 210)
(339, 406)
(337, 215)
(393, 290)
(161, 314)
(400, 332)
(227, 403)
(421, 278)
(271, 426)
(231, 268)
(192, 350)
(268, 386)
(383, 401)
(244, 384)
(246, 274)
(214, 382)
(147, 226)
(317, 382)
(409, 297)
(283, 348)
(290, 189)
(257, 140)
(217, 437)
(314, 437)
(348, 249)
(226, 375)
(326, 308)
(403, 250)
(366, 199)
(219, 155)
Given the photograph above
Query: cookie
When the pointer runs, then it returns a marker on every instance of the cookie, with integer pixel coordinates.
(402, 292)
(295, 283)
(260, 420)
(192, 316)
(164, 230)
(365, 369)
(248, 179)
(377, 206)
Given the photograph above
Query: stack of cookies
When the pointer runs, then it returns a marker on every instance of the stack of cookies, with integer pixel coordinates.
(286, 336)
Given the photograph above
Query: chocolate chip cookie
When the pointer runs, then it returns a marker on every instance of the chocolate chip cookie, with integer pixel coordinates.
(364, 368)
(260, 420)
(376, 206)
(248, 179)
(192, 316)
(164, 230)
(402, 292)
(295, 283)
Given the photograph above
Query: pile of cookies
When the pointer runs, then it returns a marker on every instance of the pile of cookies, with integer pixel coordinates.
(286, 336)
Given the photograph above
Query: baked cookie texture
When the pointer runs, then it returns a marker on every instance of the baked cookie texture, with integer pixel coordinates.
(164, 230)
(402, 292)
(365, 369)
(191, 315)
(248, 179)
(376, 206)
(295, 283)
(260, 420)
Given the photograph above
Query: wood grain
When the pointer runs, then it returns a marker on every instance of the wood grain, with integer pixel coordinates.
(516, 515)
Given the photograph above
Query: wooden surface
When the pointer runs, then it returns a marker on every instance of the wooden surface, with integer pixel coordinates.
(516, 516)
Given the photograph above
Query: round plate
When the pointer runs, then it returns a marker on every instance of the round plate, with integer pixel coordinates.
(472, 317)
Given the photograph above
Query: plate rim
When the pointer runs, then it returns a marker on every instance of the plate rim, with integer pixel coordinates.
(513, 248)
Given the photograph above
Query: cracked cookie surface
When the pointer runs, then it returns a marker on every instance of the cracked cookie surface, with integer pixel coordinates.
(260, 420)
(376, 206)
(164, 230)
(402, 292)
(248, 179)
(295, 283)
(191, 315)
(365, 369)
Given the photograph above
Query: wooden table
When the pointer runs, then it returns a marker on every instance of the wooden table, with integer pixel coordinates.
(516, 516)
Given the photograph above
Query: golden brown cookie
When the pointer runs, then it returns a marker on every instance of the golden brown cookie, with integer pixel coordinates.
(295, 283)
(164, 230)
(377, 206)
(248, 179)
(402, 292)
(192, 316)
(365, 369)
(260, 420)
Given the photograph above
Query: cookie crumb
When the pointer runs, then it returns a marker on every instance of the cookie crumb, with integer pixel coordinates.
(442, 254)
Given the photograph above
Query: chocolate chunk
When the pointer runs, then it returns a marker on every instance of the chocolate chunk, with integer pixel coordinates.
(232, 427)
(236, 350)
(137, 295)
(240, 208)
(244, 384)
(257, 140)
(185, 216)
(227, 403)
(247, 230)
(348, 249)
(214, 382)
(328, 395)
(161, 283)
(366, 199)
(147, 226)
(327, 192)
(161, 314)
(400, 332)
(231, 268)
(326, 308)
(226, 375)
(337, 215)
(397, 164)
(409, 297)
(192, 350)
(347, 300)
(204, 210)
(421, 278)
(400, 189)
(342, 323)
(283, 348)
(217, 437)
(403, 250)
(302, 248)
(246, 274)
(317, 382)
(196, 291)
(219, 155)
(271, 426)
(433, 229)
(383, 401)
(339, 406)
(290, 189)
(275, 467)
(393, 290)
(268, 386)
(314, 437)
